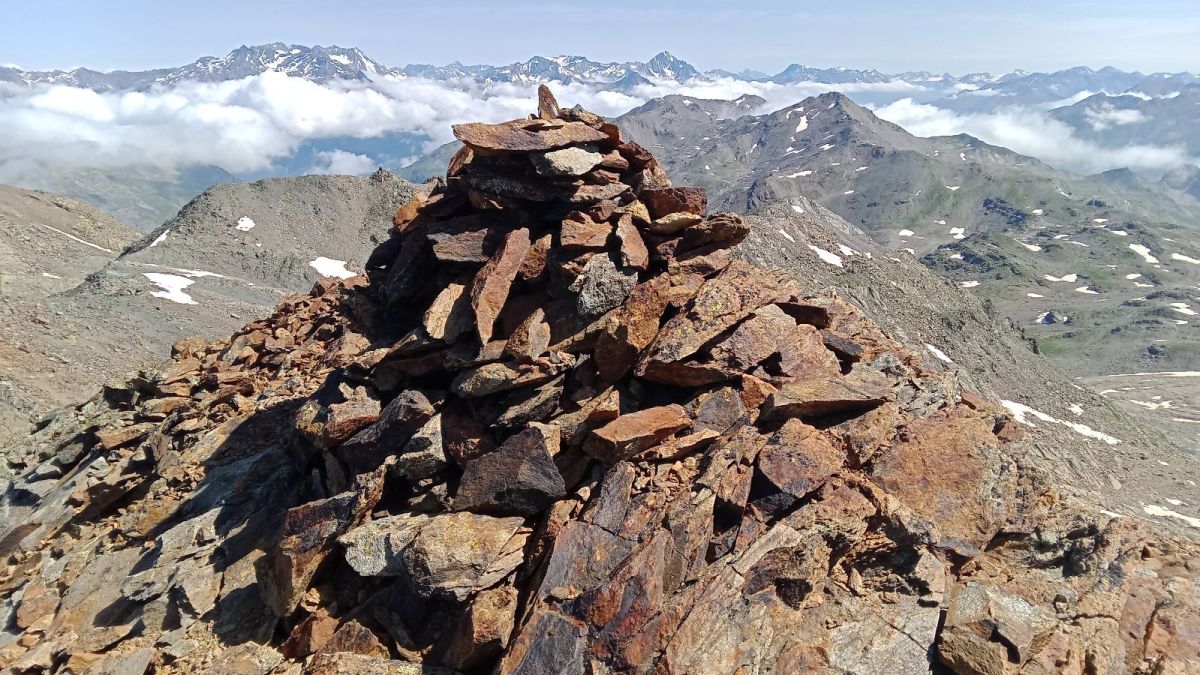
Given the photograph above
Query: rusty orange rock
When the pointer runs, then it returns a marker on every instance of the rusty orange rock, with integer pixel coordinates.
(526, 135)
(489, 290)
(630, 434)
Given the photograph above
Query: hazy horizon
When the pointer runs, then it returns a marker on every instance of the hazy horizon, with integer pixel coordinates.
(1155, 36)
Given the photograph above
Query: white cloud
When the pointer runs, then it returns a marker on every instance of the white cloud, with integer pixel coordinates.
(340, 162)
(247, 125)
(1034, 133)
(244, 125)
(1108, 115)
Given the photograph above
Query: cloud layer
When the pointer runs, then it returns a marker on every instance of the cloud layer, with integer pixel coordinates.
(248, 125)
(1033, 132)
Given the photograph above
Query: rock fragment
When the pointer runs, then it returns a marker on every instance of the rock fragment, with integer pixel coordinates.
(629, 434)
(517, 478)
(490, 288)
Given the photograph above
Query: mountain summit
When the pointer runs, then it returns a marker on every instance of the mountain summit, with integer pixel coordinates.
(560, 428)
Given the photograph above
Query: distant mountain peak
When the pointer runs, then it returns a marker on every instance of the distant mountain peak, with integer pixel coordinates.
(665, 65)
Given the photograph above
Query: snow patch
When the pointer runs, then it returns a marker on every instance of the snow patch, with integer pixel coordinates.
(941, 355)
(1182, 308)
(1032, 247)
(172, 286)
(1085, 289)
(1151, 405)
(952, 188)
(798, 174)
(1099, 220)
(826, 256)
(1020, 412)
(787, 236)
(797, 208)
(968, 284)
(1186, 259)
(906, 233)
(159, 239)
(244, 224)
(1069, 278)
(1037, 212)
(958, 232)
(328, 267)
(1144, 252)
(1164, 512)
(1133, 276)
(72, 237)
(1034, 295)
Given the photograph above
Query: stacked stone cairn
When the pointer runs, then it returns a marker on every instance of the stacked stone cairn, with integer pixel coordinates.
(562, 428)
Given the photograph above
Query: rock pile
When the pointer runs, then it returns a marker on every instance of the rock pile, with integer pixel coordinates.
(562, 429)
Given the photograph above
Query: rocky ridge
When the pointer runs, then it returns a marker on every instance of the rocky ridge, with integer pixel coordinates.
(90, 302)
(560, 428)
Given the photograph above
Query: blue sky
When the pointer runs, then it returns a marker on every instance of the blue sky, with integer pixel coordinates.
(1151, 35)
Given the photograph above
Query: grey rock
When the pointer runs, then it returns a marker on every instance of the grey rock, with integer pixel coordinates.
(398, 421)
(566, 162)
(424, 454)
(375, 549)
(458, 554)
(601, 287)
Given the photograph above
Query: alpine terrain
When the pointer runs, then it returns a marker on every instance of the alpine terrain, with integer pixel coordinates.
(563, 425)
(87, 299)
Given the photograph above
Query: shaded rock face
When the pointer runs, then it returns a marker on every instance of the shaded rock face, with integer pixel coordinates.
(559, 429)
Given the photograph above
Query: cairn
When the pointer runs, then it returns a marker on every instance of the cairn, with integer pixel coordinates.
(562, 428)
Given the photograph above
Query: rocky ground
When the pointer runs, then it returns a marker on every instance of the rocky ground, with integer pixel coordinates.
(48, 244)
(1111, 452)
(1171, 399)
(227, 257)
(560, 427)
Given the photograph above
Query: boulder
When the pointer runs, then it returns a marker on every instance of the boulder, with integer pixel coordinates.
(517, 478)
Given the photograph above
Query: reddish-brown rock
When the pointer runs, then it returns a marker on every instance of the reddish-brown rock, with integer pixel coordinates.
(526, 135)
(547, 105)
(631, 328)
(489, 290)
(720, 303)
(630, 434)
(664, 201)
(530, 339)
(308, 533)
(859, 391)
(950, 472)
(450, 314)
(634, 253)
(581, 232)
(798, 459)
